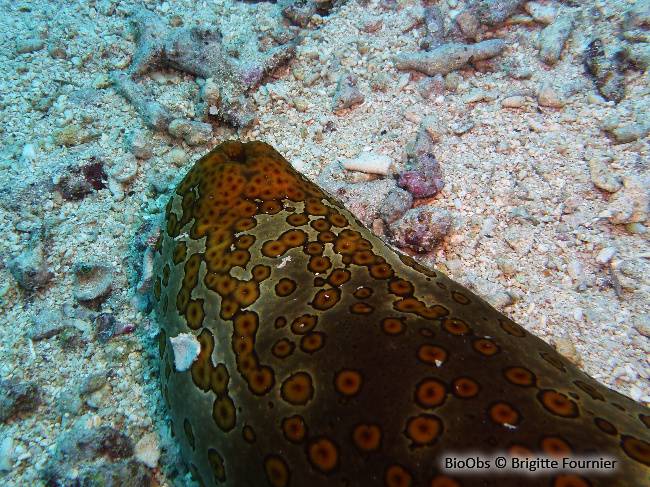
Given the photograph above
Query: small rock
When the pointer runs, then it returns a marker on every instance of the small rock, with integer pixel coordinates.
(194, 133)
(176, 156)
(508, 266)
(30, 268)
(642, 325)
(24, 46)
(347, 93)
(210, 93)
(17, 397)
(608, 72)
(125, 170)
(629, 133)
(431, 124)
(516, 101)
(396, 204)
(370, 24)
(431, 85)
(47, 323)
(495, 12)
(602, 176)
(605, 255)
(553, 38)
(104, 326)
(92, 281)
(147, 450)
(380, 82)
(636, 228)
(421, 228)
(548, 97)
(300, 104)
(93, 382)
(629, 205)
(540, 13)
(452, 81)
(186, 350)
(520, 238)
(468, 24)
(369, 162)
(139, 144)
(73, 135)
(70, 402)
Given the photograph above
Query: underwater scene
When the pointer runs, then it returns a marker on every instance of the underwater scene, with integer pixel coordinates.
(309, 243)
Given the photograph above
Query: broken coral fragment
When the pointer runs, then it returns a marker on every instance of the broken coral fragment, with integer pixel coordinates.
(449, 57)
(201, 51)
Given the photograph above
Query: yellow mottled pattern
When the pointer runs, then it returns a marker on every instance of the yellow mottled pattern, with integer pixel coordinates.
(327, 359)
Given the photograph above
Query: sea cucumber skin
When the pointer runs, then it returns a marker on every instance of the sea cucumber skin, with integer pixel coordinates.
(328, 359)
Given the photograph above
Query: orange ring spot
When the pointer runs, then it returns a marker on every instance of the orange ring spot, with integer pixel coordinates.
(456, 326)
(323, 454)
(304, 324)
(460, 298)
(381, 271)
(636, 449)
(277, 471)
(558, 404)
(432, 354)
(367, 437)
(348, 382)
(605, 426)
(248, 433)
(392, 326)
(297, 219)
(591, 390)
(321, 225)
(247, 293)
(224, 413)
(312, 342)
(285, 287)
(465, 388)
(554, 361)
(554, 446)
(363, 293)
(318, 264)
(261, 380)
(293, 238)
(400, 287)
(283, 348)
(313, 248)
(361, 309)
(216, 465)
(294, 428)
(503, 413)
(408, 305)
(520, 376)
(432, 312)
(519, 451)
(326, 237)
(261, 272)
(396, 476)
(270, 207)
(512, 328)
(486, 347)
(246, 323)
(326, 299)
(219, 379)
(430, 393)
(338, 277)
(297, 389)
(194, 314)
(423, 430)
(273, 248)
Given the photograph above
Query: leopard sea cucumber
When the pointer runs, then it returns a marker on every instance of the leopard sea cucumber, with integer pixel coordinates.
(328, 359)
